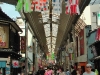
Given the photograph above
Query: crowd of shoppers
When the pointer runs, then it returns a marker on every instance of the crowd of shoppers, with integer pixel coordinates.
(60, 71)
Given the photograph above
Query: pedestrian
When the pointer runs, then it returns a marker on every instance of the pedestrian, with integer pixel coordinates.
(61, 71)
(68, 72)
(41, 71)
(48, 71)
(88, 70)
(79, 71)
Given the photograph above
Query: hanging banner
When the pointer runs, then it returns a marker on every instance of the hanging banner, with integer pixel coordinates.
(72, 7)
(30, 5)
(41, 5)
(81, 39)
(98, 18)
(23, 44)
(57, 6)
(25, 5)
(52, 56)
(98, 34)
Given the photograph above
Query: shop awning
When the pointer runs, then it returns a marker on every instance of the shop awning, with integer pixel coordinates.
(4, 18)
(12, 54)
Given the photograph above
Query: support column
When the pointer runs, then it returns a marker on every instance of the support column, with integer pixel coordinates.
(36, 48)
(26, 54)
(74, 40)
(65, 60)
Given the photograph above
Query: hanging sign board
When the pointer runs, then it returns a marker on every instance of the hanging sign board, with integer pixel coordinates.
(98, 18)
(23, 44)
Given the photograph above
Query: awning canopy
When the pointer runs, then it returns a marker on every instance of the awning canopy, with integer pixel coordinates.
(4, 18)
(12, 54)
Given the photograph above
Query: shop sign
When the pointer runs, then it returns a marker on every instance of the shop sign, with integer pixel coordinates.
(7, 70)
(5, 49)
(4, 36)
(23, 44)
(98, 18)
(81, 36)
(15, 63)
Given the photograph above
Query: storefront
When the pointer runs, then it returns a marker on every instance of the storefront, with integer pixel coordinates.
(95, 50)
(9, 44)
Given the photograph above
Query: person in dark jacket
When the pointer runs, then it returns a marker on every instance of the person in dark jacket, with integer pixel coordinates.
(41, 71)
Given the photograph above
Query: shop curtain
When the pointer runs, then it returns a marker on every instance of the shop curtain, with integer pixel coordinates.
(2, 64)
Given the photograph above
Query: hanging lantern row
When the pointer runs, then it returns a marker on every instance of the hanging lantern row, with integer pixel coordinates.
(72, 6)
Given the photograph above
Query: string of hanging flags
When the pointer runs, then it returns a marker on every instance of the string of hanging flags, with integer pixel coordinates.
(72, 6)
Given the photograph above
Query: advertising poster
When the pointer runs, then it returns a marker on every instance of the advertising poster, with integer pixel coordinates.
(4, 36)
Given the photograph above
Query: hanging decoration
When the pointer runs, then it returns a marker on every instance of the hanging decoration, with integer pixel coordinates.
(57, 6)
(19, 6)
(28, 6)
(41, 5)
(72, 7)
(24, 5)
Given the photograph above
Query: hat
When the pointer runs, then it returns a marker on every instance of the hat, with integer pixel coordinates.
(88, 65)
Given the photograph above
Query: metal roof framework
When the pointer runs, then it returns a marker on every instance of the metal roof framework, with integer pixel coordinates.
(65, 24)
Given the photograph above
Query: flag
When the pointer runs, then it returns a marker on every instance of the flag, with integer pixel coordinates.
(43, 1)
(67, 7)
(45, 6)
(27, 6)
(37, 6)
(72, 7)
(57, 6)
(32, 5)
(19, 5)
(41, 5)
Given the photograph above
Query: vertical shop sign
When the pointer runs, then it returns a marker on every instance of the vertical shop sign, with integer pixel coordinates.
(98, 18)
(23, 44)
(81, 39)
(98, 34)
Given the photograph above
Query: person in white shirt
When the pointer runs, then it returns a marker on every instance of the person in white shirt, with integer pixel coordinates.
(88, 70)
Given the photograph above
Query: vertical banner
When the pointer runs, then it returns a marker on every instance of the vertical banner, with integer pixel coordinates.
(72, 7)
(57, 6)
(23, 44)
(81, 35)
(98, 18)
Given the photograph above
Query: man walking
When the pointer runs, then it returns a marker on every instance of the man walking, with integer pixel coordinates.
(88, 70)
